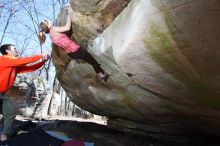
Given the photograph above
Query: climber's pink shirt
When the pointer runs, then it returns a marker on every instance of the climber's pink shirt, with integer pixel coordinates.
(65, 42)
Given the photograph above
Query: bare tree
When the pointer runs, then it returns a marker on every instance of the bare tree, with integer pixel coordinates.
(9, 9)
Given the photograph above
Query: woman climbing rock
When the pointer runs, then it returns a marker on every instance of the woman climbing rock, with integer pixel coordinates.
(70, 47)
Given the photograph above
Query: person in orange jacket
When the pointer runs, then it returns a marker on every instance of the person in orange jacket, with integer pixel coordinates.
(10, 66)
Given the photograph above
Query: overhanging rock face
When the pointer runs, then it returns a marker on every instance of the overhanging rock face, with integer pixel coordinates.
(163, 59)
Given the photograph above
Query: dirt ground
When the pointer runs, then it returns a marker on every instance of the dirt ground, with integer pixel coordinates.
(96, 119)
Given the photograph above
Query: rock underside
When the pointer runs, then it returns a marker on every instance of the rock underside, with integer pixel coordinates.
(163, 60)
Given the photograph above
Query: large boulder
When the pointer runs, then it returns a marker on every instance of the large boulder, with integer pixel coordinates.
(163, 60)
(91, 17)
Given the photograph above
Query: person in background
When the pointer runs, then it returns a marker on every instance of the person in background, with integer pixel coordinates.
(10, 66)
(70, 47)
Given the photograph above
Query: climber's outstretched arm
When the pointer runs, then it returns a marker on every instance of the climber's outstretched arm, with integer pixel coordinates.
(63, 28)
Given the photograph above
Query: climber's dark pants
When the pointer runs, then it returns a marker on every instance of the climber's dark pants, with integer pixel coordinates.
(84, 55)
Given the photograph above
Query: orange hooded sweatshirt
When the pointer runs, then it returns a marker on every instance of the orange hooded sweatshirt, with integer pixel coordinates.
(11, 66)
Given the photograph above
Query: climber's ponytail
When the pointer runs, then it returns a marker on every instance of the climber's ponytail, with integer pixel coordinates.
(41, 37)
